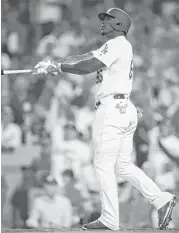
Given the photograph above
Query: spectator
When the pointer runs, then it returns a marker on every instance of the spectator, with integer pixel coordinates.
(5, 96)
(20, 199)
(141, 140)
(72, 192)
(170, 146)
(59, 114)
(125, 206)
(60, 42)
(141, 210)
(50, 44)
(156, 155)
(77, 153)
(46, 21)
(168, 141)
(4, 189)
(90, 176)
(60, 110)
(84, 119)
(37, 129)
(96, 205)
(93, 206)
(175, 122)
(43, 162)
(11, 133)
(52, 210)
(5, 61)
(19, 98)
(17, 33)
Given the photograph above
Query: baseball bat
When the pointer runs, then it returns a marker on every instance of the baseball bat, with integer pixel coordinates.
(4, 72)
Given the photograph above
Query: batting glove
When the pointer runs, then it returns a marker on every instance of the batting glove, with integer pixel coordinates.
(41, 68)
(54, 68)
(47, 67)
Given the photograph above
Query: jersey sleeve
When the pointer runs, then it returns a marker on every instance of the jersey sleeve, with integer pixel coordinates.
(108, 53)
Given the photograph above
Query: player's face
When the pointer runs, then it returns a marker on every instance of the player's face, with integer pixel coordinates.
(106, 25)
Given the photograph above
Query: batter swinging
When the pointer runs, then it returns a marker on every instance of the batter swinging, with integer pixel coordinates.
(115, 119)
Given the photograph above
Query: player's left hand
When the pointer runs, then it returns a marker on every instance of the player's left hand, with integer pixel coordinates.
(46, 67)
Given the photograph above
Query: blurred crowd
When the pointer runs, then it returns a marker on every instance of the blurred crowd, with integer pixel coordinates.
(58, 187)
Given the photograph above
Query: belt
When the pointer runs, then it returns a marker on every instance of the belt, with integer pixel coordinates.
(115, 96)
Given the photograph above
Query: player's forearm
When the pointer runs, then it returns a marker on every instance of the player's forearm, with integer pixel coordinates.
(82, 67)
(79, 64)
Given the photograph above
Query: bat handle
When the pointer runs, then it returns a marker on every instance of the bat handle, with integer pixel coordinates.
(3, 72)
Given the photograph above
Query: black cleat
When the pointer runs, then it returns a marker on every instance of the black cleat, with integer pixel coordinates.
(95, 225)
(165, 213)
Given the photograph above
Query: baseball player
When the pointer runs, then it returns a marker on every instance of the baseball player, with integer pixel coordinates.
(115, 119)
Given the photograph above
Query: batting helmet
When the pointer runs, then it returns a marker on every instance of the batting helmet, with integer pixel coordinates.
(122, 19)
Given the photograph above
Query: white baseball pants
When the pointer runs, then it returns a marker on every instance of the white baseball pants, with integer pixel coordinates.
(113, 141)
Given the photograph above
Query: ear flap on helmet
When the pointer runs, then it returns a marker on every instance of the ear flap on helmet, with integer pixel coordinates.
(118, 26)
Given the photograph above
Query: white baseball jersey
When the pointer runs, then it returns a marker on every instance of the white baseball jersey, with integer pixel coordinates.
(117, 76)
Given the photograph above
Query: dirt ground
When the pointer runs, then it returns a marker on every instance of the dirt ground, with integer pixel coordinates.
(80, 231)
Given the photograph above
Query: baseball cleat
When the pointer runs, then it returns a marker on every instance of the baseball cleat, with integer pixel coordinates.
(165, 213)
(95, 225)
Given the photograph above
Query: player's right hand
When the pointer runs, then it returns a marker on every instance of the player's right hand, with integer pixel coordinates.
(46, 67)
(41, 68)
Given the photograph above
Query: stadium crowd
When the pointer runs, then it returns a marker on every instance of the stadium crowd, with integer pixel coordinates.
(49, 119)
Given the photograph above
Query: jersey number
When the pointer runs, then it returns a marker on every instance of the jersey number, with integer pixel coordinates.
(131, 70)
(99, 77)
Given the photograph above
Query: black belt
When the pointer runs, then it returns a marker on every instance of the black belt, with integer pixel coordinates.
(119, 96)
(115, 96)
